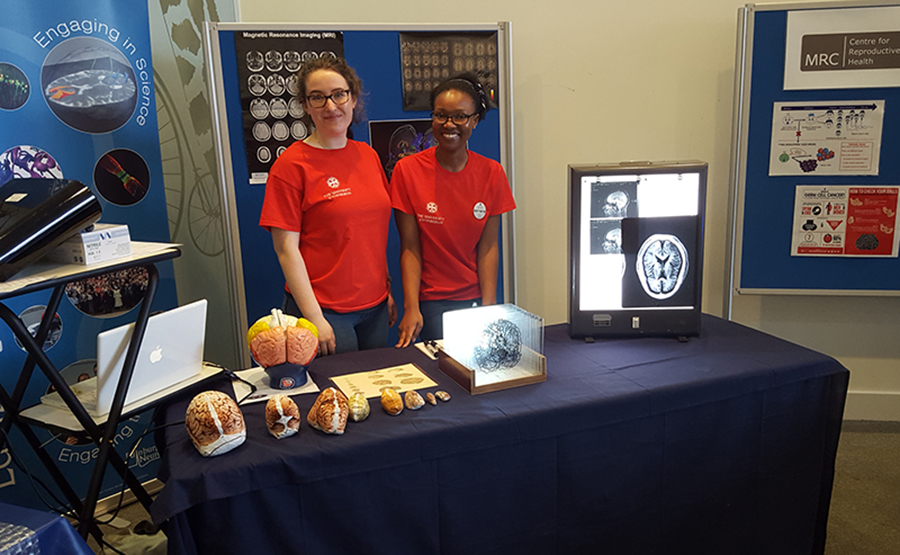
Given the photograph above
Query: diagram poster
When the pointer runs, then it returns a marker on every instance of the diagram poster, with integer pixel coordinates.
(826, 138)
(273, 117)
(848, 221)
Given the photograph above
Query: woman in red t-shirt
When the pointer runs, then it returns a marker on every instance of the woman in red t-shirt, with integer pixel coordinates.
(447, 204)
(327, 206)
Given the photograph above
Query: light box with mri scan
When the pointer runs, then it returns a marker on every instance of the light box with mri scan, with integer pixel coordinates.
(636, 248)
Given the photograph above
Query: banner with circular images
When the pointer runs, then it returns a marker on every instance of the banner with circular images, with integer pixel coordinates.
(273, 116)
(78, 101)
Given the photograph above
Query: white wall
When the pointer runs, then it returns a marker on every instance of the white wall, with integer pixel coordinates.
(641, 80)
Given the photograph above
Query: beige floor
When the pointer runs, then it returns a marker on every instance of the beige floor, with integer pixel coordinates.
(865, 503)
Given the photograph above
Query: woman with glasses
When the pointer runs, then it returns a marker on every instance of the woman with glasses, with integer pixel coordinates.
(447, 204)
(327, 206)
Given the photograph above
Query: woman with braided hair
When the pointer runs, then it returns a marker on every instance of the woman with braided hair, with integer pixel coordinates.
(447, 204)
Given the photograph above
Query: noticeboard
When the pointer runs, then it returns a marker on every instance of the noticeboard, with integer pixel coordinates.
(817, 117)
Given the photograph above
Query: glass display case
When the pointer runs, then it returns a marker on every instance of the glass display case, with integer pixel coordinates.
(488, 348)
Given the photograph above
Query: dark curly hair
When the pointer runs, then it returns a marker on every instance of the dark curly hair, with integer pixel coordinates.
(466, 83)
(339, 66)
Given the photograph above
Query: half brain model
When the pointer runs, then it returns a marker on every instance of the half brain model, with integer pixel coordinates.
(279, 338)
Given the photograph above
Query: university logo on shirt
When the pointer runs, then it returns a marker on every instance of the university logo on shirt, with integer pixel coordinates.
(431, 216)
(334, 183)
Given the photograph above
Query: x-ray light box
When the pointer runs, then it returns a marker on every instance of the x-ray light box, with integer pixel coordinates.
(636, 248)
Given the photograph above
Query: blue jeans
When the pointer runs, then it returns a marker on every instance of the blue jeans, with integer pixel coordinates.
(433, 316)
(353, 331)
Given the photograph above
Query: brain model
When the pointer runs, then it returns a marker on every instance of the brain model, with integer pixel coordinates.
(214, 423)
(330, 411)
(279, 338)
(282, 416)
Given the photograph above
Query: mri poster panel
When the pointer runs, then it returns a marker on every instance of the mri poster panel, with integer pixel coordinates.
(247, 148)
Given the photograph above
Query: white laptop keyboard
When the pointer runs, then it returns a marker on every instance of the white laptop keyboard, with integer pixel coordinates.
(86, 391)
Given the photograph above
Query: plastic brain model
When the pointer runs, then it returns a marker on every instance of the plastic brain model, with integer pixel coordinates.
(214, 423)
(284, 345)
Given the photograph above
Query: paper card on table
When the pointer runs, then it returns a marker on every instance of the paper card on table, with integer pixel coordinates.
(401, 378)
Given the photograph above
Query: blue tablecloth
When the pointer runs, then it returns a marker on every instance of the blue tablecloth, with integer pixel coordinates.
(722, 444)
(30, 532)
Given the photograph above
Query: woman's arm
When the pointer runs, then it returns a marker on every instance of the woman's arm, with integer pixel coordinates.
(287, 248)
(487, 260)
(391, 305)
(411, 273)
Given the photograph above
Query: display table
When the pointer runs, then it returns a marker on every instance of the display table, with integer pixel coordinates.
(54, 277)
(25, 531)
(722, 444)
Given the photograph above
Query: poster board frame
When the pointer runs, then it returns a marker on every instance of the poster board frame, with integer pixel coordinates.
(770, 269)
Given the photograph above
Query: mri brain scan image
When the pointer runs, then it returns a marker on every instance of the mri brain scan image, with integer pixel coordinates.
(616, 205)
(255, 61)
(662, 264)
(292, 61)
(612, 243)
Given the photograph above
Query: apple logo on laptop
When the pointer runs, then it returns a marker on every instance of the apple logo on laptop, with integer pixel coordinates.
(156, 354)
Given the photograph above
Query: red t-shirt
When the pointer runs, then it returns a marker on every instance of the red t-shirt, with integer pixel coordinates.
(339, 202)
(451, 210)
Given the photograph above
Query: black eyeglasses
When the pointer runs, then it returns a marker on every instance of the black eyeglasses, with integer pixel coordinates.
(318, 100)
(458, 119)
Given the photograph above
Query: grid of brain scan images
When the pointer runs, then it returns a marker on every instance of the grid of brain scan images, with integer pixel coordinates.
(429, 58)
(273, 115)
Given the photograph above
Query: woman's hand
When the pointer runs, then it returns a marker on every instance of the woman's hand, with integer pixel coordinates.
(410, 326)
(327, 343)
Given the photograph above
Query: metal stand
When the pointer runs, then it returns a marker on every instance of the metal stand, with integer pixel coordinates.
(101, 434)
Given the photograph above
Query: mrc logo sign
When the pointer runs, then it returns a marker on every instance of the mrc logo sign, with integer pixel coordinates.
(843, 51)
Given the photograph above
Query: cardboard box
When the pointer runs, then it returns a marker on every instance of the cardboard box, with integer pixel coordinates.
(104, 242)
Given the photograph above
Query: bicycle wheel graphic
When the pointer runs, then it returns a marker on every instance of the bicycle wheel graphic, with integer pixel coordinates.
(171, 144)
(205, 217)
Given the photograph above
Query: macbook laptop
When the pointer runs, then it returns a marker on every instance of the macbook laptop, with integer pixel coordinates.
(171, 355)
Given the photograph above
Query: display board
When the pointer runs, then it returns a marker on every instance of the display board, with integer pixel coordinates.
(257, 117)
(817, 117)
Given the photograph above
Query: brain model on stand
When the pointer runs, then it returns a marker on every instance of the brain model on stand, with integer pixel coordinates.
(284, 346)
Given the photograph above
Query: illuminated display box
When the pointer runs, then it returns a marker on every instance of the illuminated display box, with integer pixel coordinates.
(489, 348)
(636, 248)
